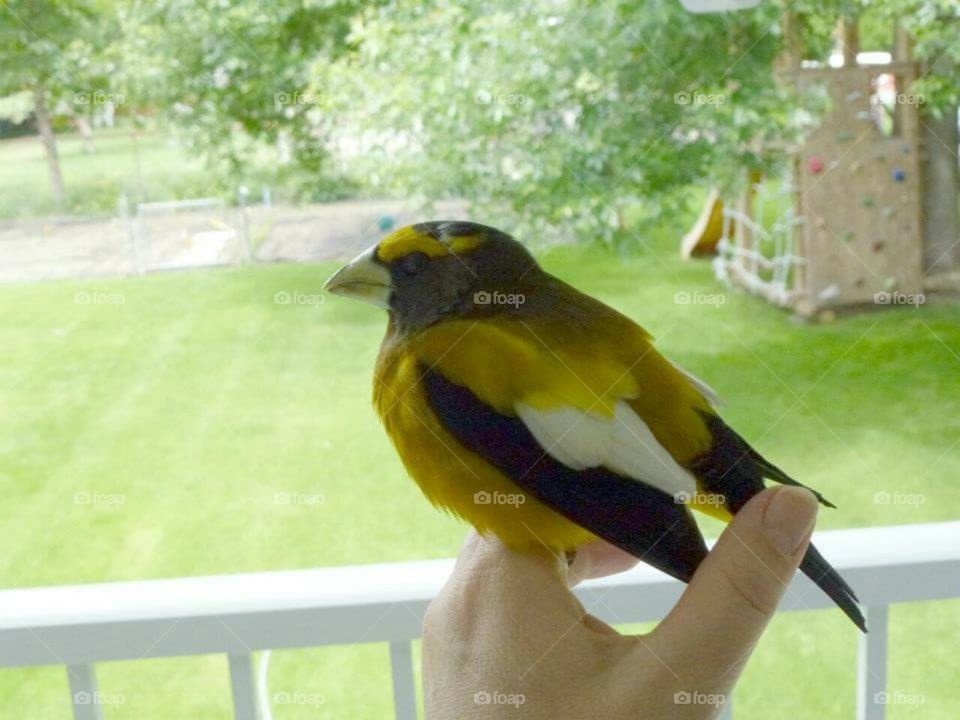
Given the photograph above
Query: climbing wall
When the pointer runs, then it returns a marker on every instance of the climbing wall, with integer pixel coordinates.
(858, 191)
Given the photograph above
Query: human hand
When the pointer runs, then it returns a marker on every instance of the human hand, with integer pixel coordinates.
(506, 637)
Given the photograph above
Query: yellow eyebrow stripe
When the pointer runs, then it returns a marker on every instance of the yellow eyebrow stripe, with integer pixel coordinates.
(408, 240)
(464, 244)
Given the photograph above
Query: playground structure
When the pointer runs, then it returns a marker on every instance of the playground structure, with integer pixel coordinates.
(848, 230)
(749, 254)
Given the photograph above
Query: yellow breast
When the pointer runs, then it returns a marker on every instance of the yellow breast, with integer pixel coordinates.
(453, 478)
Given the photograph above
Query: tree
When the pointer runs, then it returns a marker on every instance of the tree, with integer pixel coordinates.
(39, 46)
(563, 114)
(934, 25)
(235, 78)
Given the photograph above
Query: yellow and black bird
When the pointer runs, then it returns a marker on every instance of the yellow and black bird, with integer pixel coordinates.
(540, 414)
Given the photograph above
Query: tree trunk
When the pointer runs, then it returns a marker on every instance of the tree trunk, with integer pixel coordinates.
(941, 192)
(86, 133)
(49, 140)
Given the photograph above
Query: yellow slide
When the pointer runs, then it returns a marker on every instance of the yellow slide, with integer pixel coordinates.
(706, 231)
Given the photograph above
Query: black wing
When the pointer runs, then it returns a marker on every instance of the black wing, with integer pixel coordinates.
(640, 519)
(735, 470)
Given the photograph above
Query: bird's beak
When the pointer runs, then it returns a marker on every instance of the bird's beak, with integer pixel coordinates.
(364, 279)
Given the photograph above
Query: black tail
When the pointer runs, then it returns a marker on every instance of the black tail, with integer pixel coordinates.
(816, 568)
(767, 469)
(771, 471)
(735, 470)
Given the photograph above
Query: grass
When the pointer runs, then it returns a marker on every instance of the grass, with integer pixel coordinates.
(188, 406)
(152, 167)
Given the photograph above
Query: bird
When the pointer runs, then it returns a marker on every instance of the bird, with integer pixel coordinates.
(537, 413)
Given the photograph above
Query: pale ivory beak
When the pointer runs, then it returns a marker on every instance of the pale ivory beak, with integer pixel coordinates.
(364, 279)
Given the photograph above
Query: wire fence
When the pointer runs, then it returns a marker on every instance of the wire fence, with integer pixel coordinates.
(201, 233)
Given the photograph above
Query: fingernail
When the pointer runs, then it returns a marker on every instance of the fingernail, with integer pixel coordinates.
(789, 518)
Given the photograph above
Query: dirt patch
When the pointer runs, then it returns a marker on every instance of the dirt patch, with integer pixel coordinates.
(46, 249)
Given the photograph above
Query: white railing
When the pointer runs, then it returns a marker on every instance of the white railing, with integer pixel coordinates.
(236, 615)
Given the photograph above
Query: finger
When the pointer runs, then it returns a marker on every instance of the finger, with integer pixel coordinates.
(736, 590)
(598, 559)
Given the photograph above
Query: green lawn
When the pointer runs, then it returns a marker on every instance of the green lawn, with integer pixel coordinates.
(146, 167)
(153, 167)
(186, 402)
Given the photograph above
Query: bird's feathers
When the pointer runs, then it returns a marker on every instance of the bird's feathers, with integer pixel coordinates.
(412, 239)
(506, 362)
(554, 421)
(736, 471)
(621, 443)
(636, 517)
(576, 354)
(733, 467)
(510, 364)
(453, 478)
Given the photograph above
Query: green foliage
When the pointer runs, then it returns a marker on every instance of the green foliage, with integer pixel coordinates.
(932, 24)
(563, 118)
(17, 107)
(36, 38)
(164, 171)
(935, 26)
(559, 114)
(234, 79)
(151, 166)
(59, 46)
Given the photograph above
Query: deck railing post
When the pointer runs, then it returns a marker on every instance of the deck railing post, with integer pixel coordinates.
(241, 685)
(404, 688)
(84, 694)
(872, 666)
(236, 615)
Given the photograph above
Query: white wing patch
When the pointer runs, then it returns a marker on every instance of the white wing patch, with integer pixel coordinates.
(623, 444)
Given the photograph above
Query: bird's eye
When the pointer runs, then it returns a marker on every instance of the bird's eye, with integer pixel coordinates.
(414, 263)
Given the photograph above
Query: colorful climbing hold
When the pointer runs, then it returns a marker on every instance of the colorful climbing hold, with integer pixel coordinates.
(868, 201)
(899, 175)
(386, 222)
(815, 164)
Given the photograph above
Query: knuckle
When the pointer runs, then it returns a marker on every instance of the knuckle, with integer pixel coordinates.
(752, 591)
(432, 616)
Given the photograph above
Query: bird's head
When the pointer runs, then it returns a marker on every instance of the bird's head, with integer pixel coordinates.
(433, 271)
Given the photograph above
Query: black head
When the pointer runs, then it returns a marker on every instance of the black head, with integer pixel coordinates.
(433, 271)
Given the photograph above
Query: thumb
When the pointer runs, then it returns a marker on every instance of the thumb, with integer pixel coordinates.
(736, 589)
